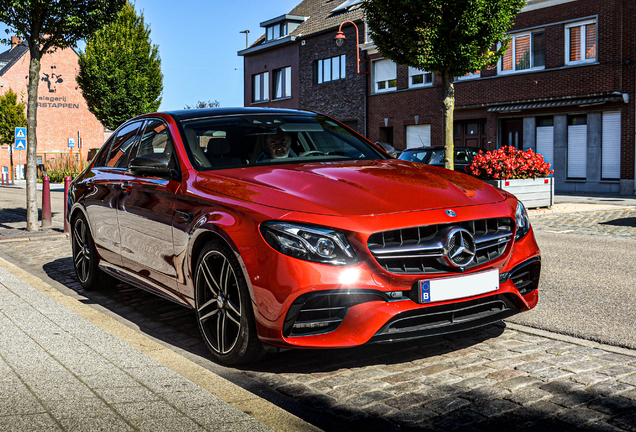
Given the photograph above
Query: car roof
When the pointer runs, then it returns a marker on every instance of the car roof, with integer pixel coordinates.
(190, 114)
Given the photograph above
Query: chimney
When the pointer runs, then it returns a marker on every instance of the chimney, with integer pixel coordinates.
(15, 41)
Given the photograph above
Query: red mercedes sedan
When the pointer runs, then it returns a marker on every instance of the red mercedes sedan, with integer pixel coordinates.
(285, 228)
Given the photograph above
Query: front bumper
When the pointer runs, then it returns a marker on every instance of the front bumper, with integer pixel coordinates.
(307, 305)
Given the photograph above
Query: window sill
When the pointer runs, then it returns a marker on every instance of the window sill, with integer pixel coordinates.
(576, 180)
(260, 102)
(281, 99)
(535, 69)
(613, 181)
(416, 86)
(385, 91)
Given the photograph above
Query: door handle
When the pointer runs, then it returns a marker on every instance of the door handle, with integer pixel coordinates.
(183, 216)
(126, 186)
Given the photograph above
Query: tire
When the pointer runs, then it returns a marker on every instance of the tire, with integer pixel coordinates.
(224, 308)
(85, 258)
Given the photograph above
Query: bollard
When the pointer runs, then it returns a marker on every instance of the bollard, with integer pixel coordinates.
(67, 183)
(2, 179)
(46, 202)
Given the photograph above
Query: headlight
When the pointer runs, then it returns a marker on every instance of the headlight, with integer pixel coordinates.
(309, 243)
(522, 220)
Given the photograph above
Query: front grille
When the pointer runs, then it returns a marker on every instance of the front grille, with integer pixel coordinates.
(421, 249)
(449, 318)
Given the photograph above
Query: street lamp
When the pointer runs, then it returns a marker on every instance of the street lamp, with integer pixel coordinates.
(341, 38)
(246, 33)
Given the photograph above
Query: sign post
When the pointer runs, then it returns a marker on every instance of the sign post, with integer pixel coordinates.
(71, 144)
(20, 144)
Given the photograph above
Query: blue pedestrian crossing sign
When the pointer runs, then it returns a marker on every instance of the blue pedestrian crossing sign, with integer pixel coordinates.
(20, 138)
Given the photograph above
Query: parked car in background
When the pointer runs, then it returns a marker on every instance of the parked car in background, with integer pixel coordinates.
(389, 149)
(435, 156)
(284, 228)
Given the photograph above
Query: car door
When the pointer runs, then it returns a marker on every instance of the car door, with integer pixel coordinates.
(102, 185)
(145, 212)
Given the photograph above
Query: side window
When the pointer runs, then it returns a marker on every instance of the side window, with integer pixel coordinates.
(122, 145)
(102, 156)
(156, 139)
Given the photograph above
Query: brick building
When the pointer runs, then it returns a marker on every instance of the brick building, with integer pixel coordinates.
(297, 63)
(565, 88)
(62, 110)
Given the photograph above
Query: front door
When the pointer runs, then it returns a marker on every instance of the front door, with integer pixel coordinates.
(470, 133)
(145, 213)
(512, 133)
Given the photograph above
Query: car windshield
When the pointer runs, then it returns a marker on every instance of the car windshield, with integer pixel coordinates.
(243, 140)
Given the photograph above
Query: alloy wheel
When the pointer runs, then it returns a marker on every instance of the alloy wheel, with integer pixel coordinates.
(81, 250)
(219, 305)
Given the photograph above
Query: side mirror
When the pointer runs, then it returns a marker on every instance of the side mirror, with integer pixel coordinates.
(152, 165)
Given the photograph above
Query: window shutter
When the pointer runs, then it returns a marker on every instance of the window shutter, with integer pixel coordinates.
(418, 136)
(506, 62)
(577, 151)
(590, 41)
(575, 43)
(522, 53)
(545, 143)
(385, 70)
(611, 154)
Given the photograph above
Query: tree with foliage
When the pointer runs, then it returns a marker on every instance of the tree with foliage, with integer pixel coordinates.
(204, 104)
(120, 70)
(448, 37)
(47, 25)
(11, 117)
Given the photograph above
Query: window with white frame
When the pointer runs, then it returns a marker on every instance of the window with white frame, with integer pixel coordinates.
(385, 75)
(525, 52)
(331, 69)
(275, 32)
(282, 83)
(580, 42)
(260, 87)
(471, 75)
(420, 78)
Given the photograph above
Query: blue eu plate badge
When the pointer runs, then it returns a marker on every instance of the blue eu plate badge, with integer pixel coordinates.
(425, 292)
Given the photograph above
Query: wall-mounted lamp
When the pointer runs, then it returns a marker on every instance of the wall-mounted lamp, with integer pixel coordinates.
(340, 40)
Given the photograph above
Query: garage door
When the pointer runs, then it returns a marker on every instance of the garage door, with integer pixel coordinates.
(418, 136)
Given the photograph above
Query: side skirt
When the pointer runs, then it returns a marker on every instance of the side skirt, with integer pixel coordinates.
(146, 285)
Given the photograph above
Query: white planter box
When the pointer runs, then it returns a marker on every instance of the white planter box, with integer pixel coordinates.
(532, 193)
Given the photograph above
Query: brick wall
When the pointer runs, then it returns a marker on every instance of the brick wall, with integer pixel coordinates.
(342, 99)
(62, 110)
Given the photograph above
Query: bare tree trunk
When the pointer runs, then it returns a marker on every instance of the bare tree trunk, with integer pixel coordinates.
(32, 111)
(449, 108)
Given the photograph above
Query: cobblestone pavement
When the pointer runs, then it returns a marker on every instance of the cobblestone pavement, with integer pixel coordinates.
(496, 378)
(614, 223)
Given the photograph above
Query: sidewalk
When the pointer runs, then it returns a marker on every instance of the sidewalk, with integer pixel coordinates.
(65, 366)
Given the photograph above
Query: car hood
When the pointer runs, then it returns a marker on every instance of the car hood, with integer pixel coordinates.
(351, 188)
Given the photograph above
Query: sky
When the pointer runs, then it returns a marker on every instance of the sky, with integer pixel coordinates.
(198, 41)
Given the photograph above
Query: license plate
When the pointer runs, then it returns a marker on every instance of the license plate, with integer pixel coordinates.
(451, 288)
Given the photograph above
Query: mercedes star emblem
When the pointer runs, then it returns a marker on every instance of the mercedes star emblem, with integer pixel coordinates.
(459, 247)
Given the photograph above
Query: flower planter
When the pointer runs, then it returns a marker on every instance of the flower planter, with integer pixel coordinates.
(532, 193)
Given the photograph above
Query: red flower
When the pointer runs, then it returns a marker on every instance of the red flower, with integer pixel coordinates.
(509, 163)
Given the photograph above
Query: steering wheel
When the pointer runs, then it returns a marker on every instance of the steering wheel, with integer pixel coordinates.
(312, 152)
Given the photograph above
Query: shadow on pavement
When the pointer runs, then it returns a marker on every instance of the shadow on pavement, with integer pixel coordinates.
(626, 222)
(382, 387)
